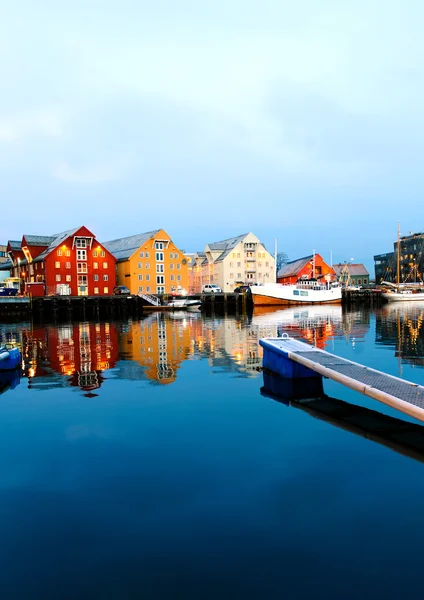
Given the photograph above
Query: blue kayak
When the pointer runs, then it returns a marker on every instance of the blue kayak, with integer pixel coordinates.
(10, 358)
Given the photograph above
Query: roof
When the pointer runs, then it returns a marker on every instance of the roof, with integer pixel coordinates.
(293, 267)
(38, 240)
(56, 239)
(354, 269)
(15, 245)
(123, 248)
(6, 266)
(226, 246)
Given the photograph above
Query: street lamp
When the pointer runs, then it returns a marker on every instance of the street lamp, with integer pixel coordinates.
(19, 274)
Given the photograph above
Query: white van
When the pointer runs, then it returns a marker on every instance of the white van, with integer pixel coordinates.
(211, 288)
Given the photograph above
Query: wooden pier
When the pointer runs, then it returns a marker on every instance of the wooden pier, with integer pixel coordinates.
(293, 359)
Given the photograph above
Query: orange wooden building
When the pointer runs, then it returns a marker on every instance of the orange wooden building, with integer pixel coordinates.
(312, 266)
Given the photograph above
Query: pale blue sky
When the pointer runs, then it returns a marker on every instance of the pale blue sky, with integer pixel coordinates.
(300, 121)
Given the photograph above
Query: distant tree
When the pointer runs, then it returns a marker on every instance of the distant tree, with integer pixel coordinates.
(282, 259)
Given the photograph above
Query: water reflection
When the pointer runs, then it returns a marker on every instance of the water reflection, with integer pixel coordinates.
(399, 325)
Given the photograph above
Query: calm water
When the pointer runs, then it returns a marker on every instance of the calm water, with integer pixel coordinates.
(141, 460)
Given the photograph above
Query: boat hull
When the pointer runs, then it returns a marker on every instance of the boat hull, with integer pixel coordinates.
(10, 359)
(402, 297)
(287, 295)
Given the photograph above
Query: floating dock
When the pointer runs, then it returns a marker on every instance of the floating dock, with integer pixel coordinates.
(293, 359)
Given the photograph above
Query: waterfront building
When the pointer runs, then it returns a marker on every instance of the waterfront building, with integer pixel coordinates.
(149, 263)
(352, 274)
(3, 253)
(306, 267)
(72, 262)
(411, 261)
(232, 262)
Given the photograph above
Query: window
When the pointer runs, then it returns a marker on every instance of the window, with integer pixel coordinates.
(68, 265)
(359, 281)
(171, 266)
(267, 264)
(96, 290)
(176, 255)
(57, 264)
(81, 254)
(81, 267)
(68, 278)
(160, 289)
(140, 277)
(81, 243)
(178, 266)
(146, 254)
(365, 280)
(140, 265)
(42, 265)
(239, 264)
(160, 279)
(159, 256)
(96, 278)
(82, 279)
(59, 252)
(178, 277)
(148, 288)
(147, 265)
(141, 255)
(68, 253)
(105, 277)
(147, 277)
(105, 265)
(231, 275)
(105, 290)
(57, 277)
(231, 264)
(239, 275)
(159, 268)
(171, 255)
(95, 265)
(159, 245)
(95, 254)
(140, 288)
(102, 253)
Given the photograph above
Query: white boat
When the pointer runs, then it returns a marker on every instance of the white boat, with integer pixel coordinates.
(185, 303)
(305, 291)
(403, 295)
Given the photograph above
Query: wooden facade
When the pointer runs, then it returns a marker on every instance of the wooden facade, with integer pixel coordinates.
(313, 266)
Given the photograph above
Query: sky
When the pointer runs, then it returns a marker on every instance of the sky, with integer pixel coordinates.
(299, 121)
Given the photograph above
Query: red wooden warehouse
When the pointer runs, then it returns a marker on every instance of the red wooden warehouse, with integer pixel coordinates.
(72, 262)
(312, 266)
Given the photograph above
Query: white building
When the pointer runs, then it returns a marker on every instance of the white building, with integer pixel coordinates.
(232, 262)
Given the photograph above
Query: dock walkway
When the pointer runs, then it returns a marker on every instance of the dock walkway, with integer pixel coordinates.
(294, 359)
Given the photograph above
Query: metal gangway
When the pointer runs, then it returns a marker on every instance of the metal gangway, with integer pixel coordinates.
(296, 360)
(150, 299)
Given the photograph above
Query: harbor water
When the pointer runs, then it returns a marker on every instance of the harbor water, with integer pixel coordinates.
(147, 459)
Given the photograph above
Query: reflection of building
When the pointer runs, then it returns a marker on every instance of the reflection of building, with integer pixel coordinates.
(158, 343)
(149, 263)
(400, 325)
(228, 263)
(78, 351)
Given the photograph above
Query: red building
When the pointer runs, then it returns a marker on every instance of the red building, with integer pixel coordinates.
(72, 262)
(312, 266)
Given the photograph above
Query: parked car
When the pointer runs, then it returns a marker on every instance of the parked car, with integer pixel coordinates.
(211, 288)
(242, 289)
(120, 289)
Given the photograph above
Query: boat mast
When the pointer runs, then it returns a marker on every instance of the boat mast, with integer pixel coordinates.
(398, 256)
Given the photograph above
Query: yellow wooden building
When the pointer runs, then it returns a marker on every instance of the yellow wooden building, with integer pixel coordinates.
(149, 263)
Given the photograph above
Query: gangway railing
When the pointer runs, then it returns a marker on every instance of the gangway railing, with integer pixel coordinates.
(150, 299)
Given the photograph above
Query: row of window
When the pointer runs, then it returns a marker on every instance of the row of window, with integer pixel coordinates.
(81, 267)
(159, 267)
(147, 277)
(61, 252)
(81, 280)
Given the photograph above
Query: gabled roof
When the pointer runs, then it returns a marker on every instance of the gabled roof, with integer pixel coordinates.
(14, 245)
(123, 248)
(356, 270)
(56, 240)
(225, 246)
(293, 267)
(38, 240)
(6, 266)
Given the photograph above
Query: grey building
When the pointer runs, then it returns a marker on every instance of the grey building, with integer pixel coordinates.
(410, 257)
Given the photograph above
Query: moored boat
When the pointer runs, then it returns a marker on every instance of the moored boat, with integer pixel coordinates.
(305, 291)
(403, 295)
(10, 358)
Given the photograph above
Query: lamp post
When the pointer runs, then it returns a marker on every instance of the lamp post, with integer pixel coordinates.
(19, 274)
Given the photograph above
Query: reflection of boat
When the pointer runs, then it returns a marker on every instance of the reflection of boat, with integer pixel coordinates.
(305, 291)
(9, 380)
(10, 358)
(318, 312)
